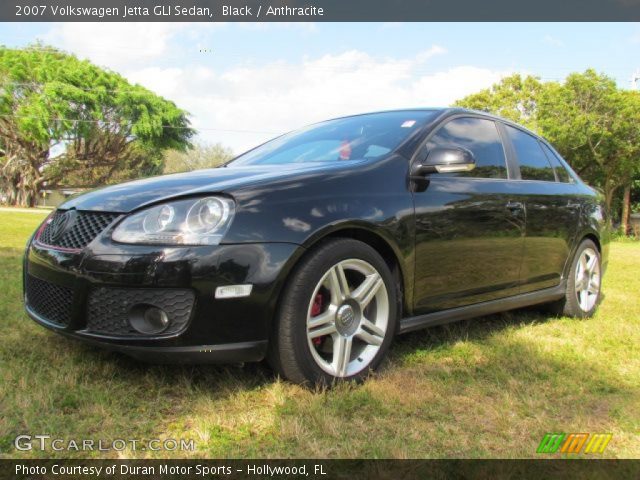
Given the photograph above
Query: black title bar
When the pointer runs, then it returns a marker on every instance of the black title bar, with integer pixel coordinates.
(318, 469)
(318, 10)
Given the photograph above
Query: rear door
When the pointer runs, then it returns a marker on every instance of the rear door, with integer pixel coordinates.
(552, 210)
(469, 232)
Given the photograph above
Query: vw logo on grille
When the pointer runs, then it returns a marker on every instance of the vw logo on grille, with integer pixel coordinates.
(60, 224)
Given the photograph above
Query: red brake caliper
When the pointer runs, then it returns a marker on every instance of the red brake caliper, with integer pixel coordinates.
(316, 309)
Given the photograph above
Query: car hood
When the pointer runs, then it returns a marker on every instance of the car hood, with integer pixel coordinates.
(125, 197)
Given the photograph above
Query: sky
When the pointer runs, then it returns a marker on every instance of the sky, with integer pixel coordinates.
(245, 83)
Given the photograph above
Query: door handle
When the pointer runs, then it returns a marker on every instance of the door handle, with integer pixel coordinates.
(514, 206)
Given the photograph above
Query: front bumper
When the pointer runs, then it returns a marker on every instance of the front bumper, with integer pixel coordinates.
(198, 354)
(214, 330)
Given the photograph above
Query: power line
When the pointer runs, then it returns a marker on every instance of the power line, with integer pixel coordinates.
(84, 89)
(135, 90)
(101, 122)
(332, 68)
(110, 48)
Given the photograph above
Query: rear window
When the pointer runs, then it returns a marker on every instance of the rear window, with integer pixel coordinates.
(561, 171)
(534, 164)
(360, 137)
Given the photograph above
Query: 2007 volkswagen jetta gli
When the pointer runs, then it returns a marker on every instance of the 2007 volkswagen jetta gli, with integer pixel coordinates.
(314, 249)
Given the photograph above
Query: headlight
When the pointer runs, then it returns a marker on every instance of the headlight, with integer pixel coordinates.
(199, 221)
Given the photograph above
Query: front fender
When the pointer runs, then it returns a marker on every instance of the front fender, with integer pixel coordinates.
(370, 198)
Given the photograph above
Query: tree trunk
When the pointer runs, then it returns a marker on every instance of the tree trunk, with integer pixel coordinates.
(23, 192)
(21, 197)
(28, 179)
(11, 193)
(626, 210)
(608, 199)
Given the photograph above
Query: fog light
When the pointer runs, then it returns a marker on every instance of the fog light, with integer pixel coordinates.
(148, 319)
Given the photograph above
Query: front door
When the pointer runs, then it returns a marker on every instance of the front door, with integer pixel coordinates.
(469, 230)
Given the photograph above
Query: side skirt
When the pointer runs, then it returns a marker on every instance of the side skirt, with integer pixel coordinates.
(410, 324)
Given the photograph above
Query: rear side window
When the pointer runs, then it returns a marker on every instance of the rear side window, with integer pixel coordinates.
(533, 162)
(561, 171)
(481, 138)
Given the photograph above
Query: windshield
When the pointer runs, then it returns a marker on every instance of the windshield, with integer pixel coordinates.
(353, 138)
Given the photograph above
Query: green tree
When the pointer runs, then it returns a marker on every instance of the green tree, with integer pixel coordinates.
(135, 161)
(200, 156)
(514, 98)
(594, 125)
(104, 125)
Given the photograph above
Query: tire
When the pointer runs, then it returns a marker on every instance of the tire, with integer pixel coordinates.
(583, 292)
(322, 333)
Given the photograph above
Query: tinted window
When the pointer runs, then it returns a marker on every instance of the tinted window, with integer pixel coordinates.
(561, 172)
(351, 138)
(533, 162)
(480, 137)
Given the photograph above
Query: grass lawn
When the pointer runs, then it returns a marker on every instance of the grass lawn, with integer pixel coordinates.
(489, 387)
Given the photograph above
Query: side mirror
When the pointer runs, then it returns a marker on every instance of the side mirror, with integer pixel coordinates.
(445, 160)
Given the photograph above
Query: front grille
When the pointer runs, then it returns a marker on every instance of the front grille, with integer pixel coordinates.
(108, 310)
(51, 302)
(75, 229)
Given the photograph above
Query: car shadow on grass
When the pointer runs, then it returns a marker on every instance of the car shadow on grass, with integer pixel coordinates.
(473, 329)
(442, 388)
(227, 377)
(487, 387)
(211, 376)
(257, 374)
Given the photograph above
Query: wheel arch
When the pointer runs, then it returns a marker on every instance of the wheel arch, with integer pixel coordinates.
(587, 234)
(387, 249)
(390, 253)
(594, 238)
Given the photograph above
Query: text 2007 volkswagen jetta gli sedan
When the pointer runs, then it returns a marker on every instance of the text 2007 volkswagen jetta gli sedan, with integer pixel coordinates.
(315, 249)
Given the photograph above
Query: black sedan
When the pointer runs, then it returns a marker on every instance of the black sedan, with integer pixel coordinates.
(314, 249)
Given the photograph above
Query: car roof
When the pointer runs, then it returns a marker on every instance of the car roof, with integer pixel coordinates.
(450, 111)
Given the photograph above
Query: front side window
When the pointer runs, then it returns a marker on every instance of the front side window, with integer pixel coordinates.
(533, 162)
(481, 137)
(561, 172)
(361, 137)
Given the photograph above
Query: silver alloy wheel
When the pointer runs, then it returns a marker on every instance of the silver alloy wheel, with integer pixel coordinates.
(587, 279)
(347, 318)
